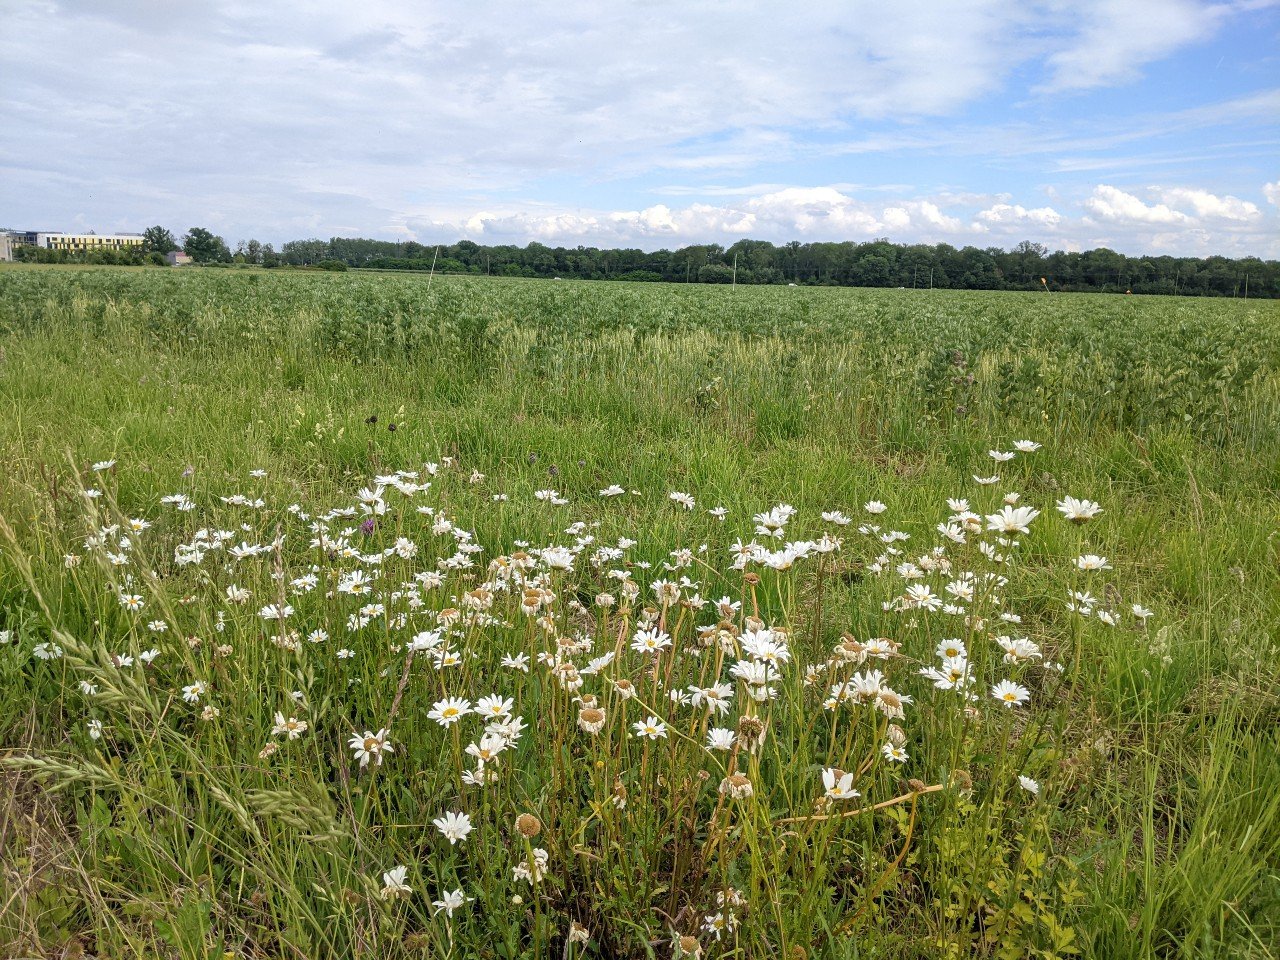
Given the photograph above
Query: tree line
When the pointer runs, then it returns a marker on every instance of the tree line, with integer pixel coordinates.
(878, 263)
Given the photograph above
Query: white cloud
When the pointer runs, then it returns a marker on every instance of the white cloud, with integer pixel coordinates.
(520, 88)
(1188, 206)
(790, 213)
(821, 212)
(1205, 204)
(1116, 38)
(1005, 213)
(558, 121)
(1107, 216)
(1112, 203)
(1272, 192)
(433, 95)
(1176, 220)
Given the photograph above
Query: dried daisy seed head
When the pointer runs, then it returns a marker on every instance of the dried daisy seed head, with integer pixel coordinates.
(736, 786)
(528, 826)
(750, 732)
(591, 719)
(850, 648)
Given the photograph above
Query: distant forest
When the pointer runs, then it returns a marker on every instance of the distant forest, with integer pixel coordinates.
(878, 263)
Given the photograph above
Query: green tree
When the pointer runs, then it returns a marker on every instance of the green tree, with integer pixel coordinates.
(158, 240)
(205, 247)
(876, 263)
(304, 252)
(1027, 260)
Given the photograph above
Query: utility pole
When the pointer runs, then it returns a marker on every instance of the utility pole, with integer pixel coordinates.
(734, 286)
(432, 275)
(1246, 286)
(931, 278)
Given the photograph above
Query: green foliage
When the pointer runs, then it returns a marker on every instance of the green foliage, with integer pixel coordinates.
(158, 240)
(1123, 363)
(878, 263)
(204, 247)
(1158, 823)
(134, 256)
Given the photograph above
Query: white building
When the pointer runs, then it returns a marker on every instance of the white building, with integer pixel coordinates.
(70, 242)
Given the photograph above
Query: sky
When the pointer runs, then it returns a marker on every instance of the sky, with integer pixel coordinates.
(1147, 126)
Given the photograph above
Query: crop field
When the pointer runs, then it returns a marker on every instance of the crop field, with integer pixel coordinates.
(350, 615)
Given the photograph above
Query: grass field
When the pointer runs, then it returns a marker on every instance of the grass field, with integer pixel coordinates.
(779, 692)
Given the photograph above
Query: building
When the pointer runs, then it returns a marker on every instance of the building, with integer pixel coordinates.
(177, 258)
(83, 242)
(68, 242)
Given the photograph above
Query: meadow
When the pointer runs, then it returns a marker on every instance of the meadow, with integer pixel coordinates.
(356, 615)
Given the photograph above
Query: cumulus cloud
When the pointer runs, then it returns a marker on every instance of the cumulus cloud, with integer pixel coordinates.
(1272, 192)
(790, 213)
(1112, 203)
(1175, 205)
(1205, 204)
(1006, 213)
(1106, 216)
(1181, 220)
(823, 212)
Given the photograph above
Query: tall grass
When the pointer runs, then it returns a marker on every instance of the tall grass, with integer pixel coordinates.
(185, 831)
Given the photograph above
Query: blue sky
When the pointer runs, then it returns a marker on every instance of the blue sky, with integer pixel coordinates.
(1150, 126)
